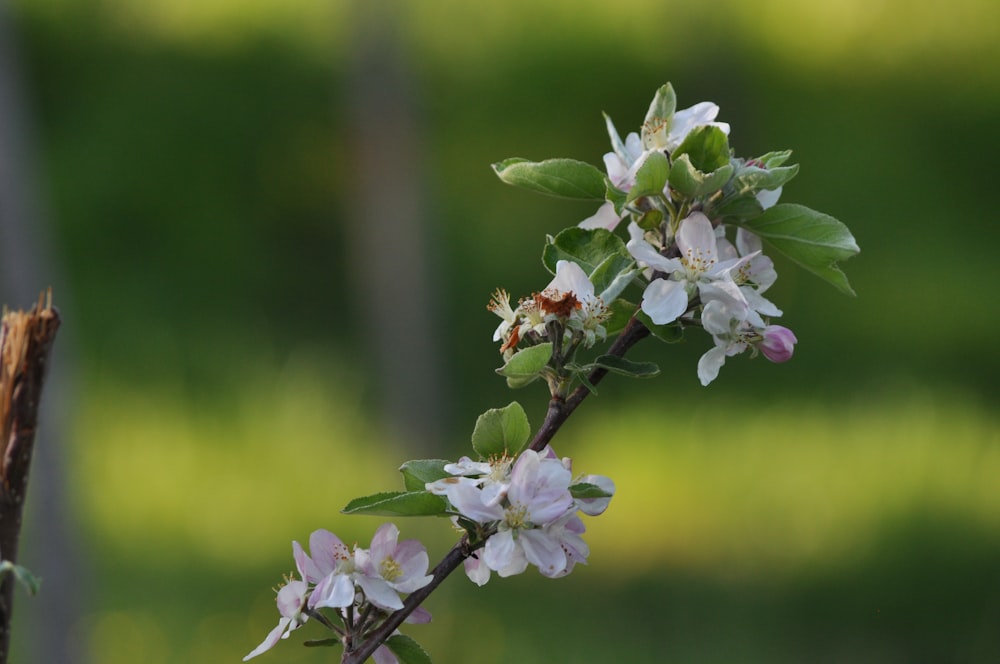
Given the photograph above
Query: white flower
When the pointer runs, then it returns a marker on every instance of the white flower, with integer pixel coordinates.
(698, 271)
(291, 600)
(330, 568)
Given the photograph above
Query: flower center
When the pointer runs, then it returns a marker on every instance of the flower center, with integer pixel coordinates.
(390, 569)
(516, 516)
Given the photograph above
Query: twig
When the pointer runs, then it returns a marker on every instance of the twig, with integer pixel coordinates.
(559, 411)
(26, 340)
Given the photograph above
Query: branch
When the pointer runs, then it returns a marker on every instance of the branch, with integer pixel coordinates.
(26, 340)
(559, 411)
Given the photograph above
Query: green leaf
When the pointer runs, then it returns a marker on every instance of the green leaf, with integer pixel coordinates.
(656, 126)
(670, 333)
(566, 178)
(22, 575)
(321, 643)
(651, 177)
(706, 146)
(621, 311)
(398, 503)
(407, 650)
(650, 220)
(419, 472)
(620, 365)
(750, 179)
(587, 247)
(774, 159)
(691, 182)
(735, 209)
(501, 430)
(616, 197)
(527, 361)
(587, 490)
(814, 240)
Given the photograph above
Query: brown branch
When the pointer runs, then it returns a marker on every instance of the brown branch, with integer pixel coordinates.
(559, 411)
(25, 344)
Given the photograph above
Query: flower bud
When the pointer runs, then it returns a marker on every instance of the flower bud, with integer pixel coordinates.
(778, 343)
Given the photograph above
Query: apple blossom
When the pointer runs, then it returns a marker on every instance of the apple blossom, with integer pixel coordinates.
(291, 600)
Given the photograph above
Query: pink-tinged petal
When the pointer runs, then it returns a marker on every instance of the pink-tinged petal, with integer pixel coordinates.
(384, 542)
(664, 300)
(379, 593)
(271, 640)
(645, 253)
(419, 616)
(618, 170)
(501, 550)
(543, 552)
(596, 506)
(383, 655)
(307, 568)
(696, 237)
(467, 498)
(291, 598)
(476, 569)
(710, 363)
(327, 550)
(334, 591)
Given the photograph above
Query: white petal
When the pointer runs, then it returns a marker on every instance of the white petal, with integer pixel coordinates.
(710, 363)
(605, 217)
(272, 638)
(570, 278)
(664, 300)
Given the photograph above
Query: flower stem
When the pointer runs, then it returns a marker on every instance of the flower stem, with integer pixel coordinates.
(559, 411)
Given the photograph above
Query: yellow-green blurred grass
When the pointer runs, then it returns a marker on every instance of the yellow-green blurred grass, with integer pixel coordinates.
(200, 500)
(731, 486)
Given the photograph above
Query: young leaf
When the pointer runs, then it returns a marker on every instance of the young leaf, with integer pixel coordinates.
(651, 177)
(814, 240)
(670, 333)
(691, 182)
(587, 490)
(398, 503)
(566, 178)
(706, 146)
(419, 472)
(527, 362)
(621, 312)
(588, 248)
(620, 365)
(501, 430)
(407, 650)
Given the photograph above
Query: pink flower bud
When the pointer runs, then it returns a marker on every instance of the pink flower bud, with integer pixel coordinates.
(778, 343)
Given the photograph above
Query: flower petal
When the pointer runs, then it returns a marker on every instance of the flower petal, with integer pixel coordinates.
(664, 300)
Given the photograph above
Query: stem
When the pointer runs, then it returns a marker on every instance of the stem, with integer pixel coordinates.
(26, 340)
(559, 410)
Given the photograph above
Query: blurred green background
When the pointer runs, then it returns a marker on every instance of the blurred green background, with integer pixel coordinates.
(199, 165)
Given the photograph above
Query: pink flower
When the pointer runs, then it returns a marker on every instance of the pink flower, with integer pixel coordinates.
(391, 567)
(291, 600)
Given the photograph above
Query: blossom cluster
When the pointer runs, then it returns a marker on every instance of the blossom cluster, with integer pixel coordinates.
(530, 504)
(567, 308)
(357, 583)
(707, 279)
